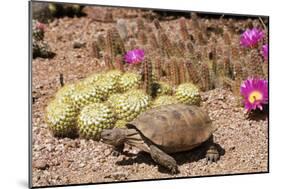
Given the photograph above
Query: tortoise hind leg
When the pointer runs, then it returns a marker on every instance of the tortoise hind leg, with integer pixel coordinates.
(163, 159)
(212, 154)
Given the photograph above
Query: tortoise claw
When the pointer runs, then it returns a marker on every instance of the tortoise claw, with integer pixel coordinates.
(174, 170)
(117, 150)
(212, 155)
(115, 153)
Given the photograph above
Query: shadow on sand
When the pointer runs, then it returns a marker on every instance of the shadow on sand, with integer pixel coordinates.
(181, 157)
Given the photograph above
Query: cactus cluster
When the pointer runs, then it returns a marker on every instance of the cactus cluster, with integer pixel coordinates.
(40, 47)
(70, 102)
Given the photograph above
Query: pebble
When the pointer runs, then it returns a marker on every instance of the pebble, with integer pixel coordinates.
(81, 165)
(107, 152)
(118, 175)
(50, 147)
(78, 44)
(40, 164)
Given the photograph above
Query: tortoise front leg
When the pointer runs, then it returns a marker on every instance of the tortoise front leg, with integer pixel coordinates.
(163, 159)
(118, 150)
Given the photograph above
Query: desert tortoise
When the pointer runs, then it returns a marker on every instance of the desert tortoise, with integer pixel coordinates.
(164, 130)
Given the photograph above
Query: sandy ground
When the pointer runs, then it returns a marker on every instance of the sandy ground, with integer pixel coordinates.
(244, 140)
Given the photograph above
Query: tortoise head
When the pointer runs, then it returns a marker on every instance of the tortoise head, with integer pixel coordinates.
(114, 136)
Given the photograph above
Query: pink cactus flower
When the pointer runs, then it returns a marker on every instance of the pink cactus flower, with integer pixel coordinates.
(40, 26)
(255, 93)
(251, 37)
(134, 56)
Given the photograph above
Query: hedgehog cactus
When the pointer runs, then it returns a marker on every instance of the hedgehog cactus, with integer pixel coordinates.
(129, 105)
(91, 79)
(118, 64)
(106, 82)
(61, 118)
(194, 20)
(101, 42)
(96, 50)
(205, 76)
(38, 30)
(114, 99)
(120, 124)
(64, 93)
(114, 43)
(140, 24)
(85, 94)
(107, 61)
(153, 40)
(165, 44)
(192, 73)
(118, 43)
(220, 73)
(158, 61)
(142, 37)
(162, 88)
(183, 29)
(182, 71)
(93, 119)
(164, 100)
(41, 48)
(129, 80)
(106, 86)
(255, 64)
(147, 76)
(188, 93)
(114, 74)
(174, 71)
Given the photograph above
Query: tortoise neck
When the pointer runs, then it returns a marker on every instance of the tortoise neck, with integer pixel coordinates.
(131, 133)
(135, 138)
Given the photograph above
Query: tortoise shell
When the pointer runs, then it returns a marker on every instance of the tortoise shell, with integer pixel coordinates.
(174, 127)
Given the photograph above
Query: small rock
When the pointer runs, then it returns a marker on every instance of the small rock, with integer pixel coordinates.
(107, 152)
(50, 147)
(232, 148)
(40, 164)
(66, 164)
(81, 165)
(118, 175)
(78, 44)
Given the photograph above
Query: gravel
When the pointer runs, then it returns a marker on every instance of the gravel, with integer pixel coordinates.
(61, 161)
